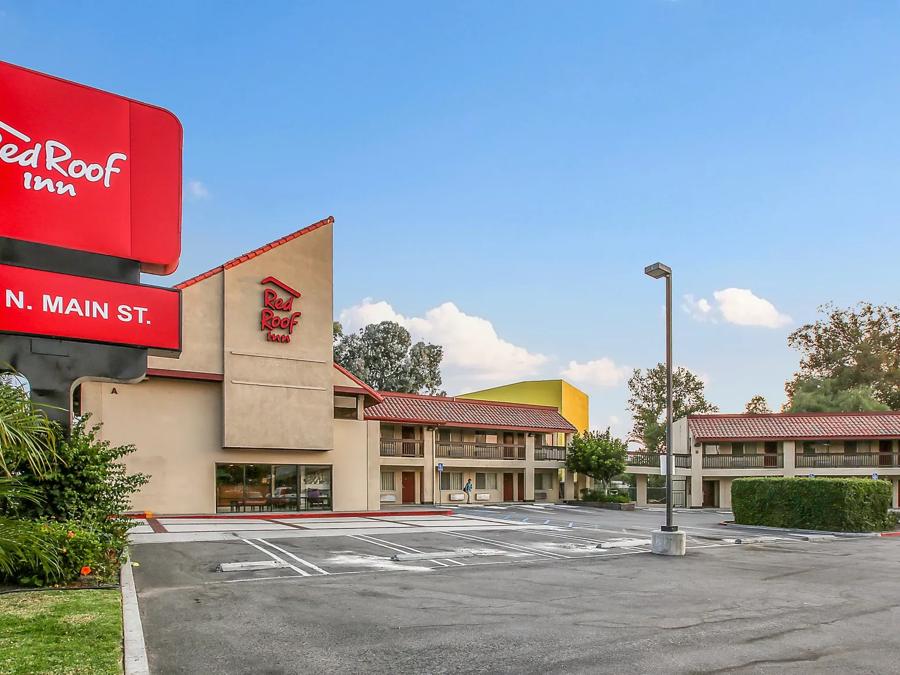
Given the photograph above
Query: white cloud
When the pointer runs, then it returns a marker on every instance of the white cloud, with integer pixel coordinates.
(473, 352)
(197, 189)
(699, 309)
(602, 372)
(738, 306)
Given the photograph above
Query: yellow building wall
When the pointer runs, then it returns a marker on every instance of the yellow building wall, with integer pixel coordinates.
(571, 402)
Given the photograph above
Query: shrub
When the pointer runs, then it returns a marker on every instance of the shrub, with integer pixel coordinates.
(832, 504)
(604, 497)
(86, 481)
(75, 549)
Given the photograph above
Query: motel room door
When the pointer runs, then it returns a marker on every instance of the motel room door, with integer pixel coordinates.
(408, 485)
(521, 486)
(507, 487)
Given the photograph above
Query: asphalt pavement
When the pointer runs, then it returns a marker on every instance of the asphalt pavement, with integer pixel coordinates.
(533, 589)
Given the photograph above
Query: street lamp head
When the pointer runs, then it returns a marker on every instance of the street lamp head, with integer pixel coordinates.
(658, 270)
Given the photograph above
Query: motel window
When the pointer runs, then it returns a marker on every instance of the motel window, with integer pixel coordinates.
(485, 481)
(737, 448)
(387, 481)
(486, 437)
(851, 447)
(809, 448)
(449, 435)
(272, 487)
(540, 482)
(345, 408)
(451, 480)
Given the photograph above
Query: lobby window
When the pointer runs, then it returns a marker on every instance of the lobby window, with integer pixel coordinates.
(272, 487)
(485, 481)
(387, 481)
(451, 480)
(542, 481)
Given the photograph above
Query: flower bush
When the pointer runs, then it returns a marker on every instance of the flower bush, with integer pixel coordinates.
(77, 549)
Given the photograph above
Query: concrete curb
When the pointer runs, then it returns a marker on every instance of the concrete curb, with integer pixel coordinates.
(787, 530)
(133, 640)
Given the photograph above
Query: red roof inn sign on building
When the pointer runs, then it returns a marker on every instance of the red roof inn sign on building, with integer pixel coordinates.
(90, 197)
(278, 317)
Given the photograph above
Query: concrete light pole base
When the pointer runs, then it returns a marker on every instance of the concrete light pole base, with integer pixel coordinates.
(668, 543)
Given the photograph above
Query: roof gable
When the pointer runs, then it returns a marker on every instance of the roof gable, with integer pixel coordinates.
(254, 253)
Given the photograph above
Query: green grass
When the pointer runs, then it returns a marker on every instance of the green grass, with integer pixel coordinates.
(61, 632)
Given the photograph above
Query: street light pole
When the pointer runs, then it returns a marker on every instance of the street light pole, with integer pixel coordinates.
(659, 271)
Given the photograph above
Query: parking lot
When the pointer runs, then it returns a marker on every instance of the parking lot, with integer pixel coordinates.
(523, 589)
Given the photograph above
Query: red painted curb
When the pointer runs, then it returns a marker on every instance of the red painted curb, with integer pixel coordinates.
(889, 534)
(269, 515)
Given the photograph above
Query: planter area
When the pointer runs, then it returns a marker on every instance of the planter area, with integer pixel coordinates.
(612, 506)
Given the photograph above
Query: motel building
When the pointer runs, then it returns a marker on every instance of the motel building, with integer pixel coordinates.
(711, 450)
(255, 416)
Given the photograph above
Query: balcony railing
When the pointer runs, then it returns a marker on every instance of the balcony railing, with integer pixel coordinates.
(455, 450)
(652, 459)
(406, 447)
(551, 453)
(757, 461)
(839, 460)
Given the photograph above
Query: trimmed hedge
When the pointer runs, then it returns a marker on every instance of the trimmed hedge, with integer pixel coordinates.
(831, 504)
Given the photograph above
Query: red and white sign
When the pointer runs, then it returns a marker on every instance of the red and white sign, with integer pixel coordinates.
(278, 318)
(34, 302)
(84, 169)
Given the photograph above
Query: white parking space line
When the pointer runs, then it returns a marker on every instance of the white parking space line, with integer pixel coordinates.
(502, 544)
(308, 564)
(398, 548)
(302, 573)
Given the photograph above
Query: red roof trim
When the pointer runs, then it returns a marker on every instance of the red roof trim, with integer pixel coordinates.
(466, 425)
(472, 401)
(283, 286)
(776, 415)
(185, 375)
(255, 252)
(371, 392)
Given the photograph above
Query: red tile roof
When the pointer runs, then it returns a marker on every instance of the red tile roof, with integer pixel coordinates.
(255, 252)
(808, 426)
(448, 411)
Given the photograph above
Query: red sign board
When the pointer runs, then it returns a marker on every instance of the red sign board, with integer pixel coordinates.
(34, 302)
(84, 169)
(278, 316)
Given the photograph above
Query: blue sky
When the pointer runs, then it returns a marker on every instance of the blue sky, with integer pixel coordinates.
(500, 173)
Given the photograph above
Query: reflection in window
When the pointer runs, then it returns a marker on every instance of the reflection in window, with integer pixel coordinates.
(267, 487)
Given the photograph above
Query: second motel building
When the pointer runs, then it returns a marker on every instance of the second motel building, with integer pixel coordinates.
(254, 415)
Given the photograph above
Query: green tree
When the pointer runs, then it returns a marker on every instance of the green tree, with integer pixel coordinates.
(27, 442)
(757, 405)
(384, 356)
(856, 349)
(647, 402)
(826, 395)
(597, 454)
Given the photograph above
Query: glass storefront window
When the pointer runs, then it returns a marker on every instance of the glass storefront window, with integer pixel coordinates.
(268, 487)
(286, 490)
(316, 487)
(229, 486)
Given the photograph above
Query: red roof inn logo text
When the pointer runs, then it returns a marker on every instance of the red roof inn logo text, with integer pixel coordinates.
(278, 318)
(87, 170)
